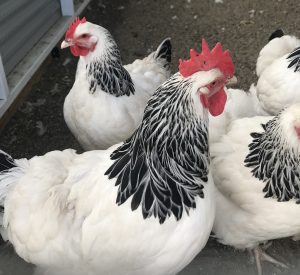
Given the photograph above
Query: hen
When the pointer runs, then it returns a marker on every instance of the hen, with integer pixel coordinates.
(278, 71)
(107, 100)
(256, 172)
(143, 207)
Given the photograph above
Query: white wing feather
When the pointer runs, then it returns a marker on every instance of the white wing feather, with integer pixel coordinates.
(61, 214)
(244, 218)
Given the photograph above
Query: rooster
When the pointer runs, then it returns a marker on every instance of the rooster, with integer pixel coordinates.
(143, 207)
(256, 172)
(278, 71)
(107, 100)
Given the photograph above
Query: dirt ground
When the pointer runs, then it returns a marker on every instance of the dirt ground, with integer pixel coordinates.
(138, 27)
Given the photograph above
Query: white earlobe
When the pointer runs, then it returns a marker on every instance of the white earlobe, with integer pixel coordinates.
(204, 90)
(93, 39)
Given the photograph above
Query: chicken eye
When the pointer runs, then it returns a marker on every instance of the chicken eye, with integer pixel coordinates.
(84, 35)
(213, 83)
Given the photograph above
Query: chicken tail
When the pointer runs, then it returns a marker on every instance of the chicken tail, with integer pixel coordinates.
(6, 162)
(164, 52)
(10, 171)
(276, 34)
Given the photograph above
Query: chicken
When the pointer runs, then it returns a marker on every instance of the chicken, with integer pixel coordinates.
(276, 88)
(143, 207)
(107, 100)
(278, 73)
(256, 172)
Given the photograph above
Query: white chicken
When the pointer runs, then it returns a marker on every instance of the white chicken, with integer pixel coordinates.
(278, 71)
(107, 100)
(256, 172)
(277, 85)
(145, 207)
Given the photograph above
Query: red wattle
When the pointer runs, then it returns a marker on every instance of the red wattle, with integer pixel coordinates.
(76, 51)
(297, 129)
(215, 103)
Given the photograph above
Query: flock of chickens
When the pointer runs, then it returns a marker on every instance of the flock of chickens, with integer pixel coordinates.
(169, 160)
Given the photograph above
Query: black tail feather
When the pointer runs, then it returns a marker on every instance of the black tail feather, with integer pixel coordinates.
(275, 34)
(6, 161)
(164, 51)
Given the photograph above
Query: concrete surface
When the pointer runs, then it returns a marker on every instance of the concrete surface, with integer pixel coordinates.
(138, 27)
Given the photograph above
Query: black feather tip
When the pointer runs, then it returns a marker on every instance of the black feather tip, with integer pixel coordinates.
(276, 34)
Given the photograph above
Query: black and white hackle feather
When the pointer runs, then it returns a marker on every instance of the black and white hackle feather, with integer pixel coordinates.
(108, 73)
(274, 163)
(6, 161)
(294, 58)
(161, 164)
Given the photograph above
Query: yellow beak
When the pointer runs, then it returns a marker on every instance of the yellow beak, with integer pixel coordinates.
(65, 44)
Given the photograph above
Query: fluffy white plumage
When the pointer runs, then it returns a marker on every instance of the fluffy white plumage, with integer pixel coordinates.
(244, 216)
(66, 216)
(276, 48)
(239, 104)
(106, 102)
(63, 214)
(277, 86)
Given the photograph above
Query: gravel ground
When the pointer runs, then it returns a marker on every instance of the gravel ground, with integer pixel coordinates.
(138, 27)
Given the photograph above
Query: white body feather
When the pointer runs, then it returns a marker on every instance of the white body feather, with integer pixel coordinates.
(244, 218)
(276, 48)
(276, 88)
(99, 120)
(277, 85)
(61, 213)
(239, 104)
(66, 216)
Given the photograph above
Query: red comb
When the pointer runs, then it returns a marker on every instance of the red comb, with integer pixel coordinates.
(73, 26)
(207, 60)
